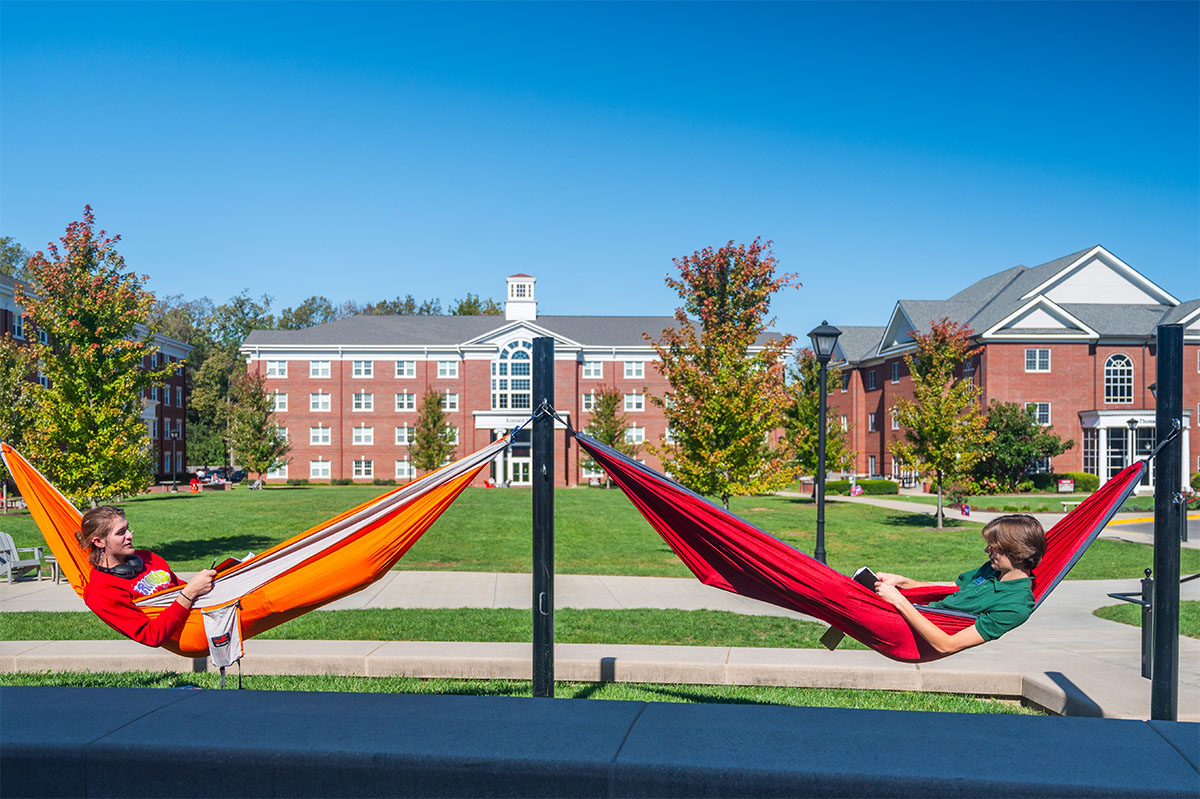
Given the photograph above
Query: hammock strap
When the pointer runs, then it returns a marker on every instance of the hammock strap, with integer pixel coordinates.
(1176, 427)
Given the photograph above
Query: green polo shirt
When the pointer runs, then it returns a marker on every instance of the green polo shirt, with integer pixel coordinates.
(998, 606)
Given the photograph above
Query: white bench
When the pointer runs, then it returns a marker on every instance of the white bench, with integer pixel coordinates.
(1069, 506)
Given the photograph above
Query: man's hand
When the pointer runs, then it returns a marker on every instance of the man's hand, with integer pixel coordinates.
(200, 585)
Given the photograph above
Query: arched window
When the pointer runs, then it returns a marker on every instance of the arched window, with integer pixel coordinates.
(511, 386)
(1118, 379)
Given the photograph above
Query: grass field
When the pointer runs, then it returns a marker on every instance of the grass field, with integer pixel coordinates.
(596, 532)
(1128, 613)
(644, 692)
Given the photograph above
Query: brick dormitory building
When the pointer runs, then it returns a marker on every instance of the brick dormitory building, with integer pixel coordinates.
(1073, 339)
(164, 408)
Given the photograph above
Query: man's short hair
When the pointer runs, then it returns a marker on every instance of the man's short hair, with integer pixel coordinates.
(1020, 536)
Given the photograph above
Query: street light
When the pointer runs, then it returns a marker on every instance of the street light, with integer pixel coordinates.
(824, 338)
(1132, 424)
(174, 466)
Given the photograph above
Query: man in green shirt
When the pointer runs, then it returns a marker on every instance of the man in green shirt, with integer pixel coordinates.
(999, 593)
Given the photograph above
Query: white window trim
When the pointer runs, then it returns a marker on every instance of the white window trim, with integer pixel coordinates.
(635, 402)
(362, 370)
(406, 370)
(362, 402)
(320, 474)
(447, 370)
(323, 372)
(1037, 359)
(320, 402)
(593, 366)
(635, 369)
(362, 435)
(320, 436)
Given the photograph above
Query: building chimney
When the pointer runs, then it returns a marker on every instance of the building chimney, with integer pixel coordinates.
(520, 303)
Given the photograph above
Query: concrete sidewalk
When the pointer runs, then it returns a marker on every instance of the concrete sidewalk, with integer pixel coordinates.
(1064, 658)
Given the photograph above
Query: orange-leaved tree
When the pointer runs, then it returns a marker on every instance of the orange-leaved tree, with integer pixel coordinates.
(727, 392)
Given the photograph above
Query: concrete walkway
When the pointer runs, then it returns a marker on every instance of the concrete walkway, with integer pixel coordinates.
(1064, 658)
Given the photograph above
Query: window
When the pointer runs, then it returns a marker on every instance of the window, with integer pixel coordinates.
(635, 434)
(451, 435)
(969, 368)
(276, 368)
(279, 472)
(512, 386)
(318, 368)
(44, 338)
(870, 423)
(179, 396)
(178, 369)
(363, 369)
(871, 380)
(845, 423)
(520, 290)
(18, 325)
(450, 401)
(1040, 411)
(318, 470)
(154, 393)
(1091, 449)
(319, 436)
(895, 371)
(364, 468)
(635, 402)
(845, 381)
(154, 429)
(363, 402)
(668, 435)
(281, 430)
(318, 401)
(593, 369)
(406, 401)
(1037, 360)
(589, 401)
(895, 424)
(404, 434)
(1040, 466)
(447, 368)
(280, 402)
(406, 369)
(363, 435)
(405, 470)
(1118, 380)
(590, 471)
(871, 465)
(635, 369)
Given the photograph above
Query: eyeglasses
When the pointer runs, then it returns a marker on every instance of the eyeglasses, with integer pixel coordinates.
(992, 549)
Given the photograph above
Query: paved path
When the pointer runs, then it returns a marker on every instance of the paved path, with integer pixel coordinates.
(1063, 658)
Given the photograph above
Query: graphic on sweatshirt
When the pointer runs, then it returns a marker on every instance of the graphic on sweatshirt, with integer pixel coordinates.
(152, 581)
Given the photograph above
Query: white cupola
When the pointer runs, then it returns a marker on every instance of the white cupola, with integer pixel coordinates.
(520, 302)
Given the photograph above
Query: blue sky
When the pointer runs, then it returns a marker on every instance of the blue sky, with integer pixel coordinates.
(364, 151)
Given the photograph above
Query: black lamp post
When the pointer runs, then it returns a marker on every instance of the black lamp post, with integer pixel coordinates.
(174, 467)
(1132, 424)
(824, 338)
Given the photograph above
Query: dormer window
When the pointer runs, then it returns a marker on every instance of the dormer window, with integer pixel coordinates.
(520, 291)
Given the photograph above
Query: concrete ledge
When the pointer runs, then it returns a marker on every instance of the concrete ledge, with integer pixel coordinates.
(86, 742)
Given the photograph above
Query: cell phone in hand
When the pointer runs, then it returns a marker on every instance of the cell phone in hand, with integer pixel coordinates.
(866, 578)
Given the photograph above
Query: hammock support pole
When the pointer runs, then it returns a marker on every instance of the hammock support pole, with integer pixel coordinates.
(543, 517)
(1169, 516)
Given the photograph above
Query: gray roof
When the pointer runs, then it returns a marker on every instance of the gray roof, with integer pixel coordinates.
(1179, 312)
(594, 331)
(859, 342)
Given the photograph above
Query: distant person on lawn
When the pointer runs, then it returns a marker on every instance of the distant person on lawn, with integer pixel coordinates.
(121, 574)
(999, 593)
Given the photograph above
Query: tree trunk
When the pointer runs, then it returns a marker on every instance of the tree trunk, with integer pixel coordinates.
(725, 501)
(939, 507)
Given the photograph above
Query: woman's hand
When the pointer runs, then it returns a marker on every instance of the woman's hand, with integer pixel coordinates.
(892, 579)
(889, 592)
(199, 585)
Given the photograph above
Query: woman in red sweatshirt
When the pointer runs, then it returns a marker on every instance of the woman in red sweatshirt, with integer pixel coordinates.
(121, 574)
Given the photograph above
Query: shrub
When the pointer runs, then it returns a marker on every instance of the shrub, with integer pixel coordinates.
(379, 481)
(842, 487)
(1084, 482)
(342, 481)
(1196, 481)
(297, 481)
(1025, 486)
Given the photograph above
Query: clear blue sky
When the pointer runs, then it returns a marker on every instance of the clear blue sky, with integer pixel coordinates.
(362, 151)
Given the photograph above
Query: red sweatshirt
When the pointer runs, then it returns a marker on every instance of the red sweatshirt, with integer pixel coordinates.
(111, 598)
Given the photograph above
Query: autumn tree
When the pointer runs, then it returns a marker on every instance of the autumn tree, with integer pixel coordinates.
(803, 415)
(608, 423)
(91, 439)
(1018, 441)
(258, 443)
(432, 442)
(472, 305)
(18, 394)
(944, 431)
(726, 390)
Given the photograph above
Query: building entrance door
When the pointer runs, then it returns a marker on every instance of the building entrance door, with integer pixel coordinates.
(518, 471)
(519, 463)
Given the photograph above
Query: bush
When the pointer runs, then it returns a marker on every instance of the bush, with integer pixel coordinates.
(379, 481)
(1196, 481)
(342, 481)
(842, 487)
(1084, 482)
(1025, 486)
(297, 481)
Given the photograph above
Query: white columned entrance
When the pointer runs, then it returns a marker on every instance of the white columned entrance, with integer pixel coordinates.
(1113, 439)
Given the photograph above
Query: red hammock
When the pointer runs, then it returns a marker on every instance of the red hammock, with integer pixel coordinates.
(726, 552)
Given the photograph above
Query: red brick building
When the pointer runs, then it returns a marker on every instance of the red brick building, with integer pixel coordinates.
(348, 391)
(164, 408)
(1072, 338)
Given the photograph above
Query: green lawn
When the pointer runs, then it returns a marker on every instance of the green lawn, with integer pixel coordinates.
(1128, 613)
(596, 532)
(642, 692)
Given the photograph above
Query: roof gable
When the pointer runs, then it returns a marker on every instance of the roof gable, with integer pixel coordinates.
(1099, 277)
(1040, 316)
(519, 329)
(898, 332)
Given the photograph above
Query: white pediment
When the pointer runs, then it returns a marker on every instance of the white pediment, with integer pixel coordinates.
(1040, 316)
(518, 330)
(1099, 277)
(898, 333)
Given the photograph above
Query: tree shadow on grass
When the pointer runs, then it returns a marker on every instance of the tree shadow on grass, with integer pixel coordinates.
(925, 520)
(200, 548)
(707, 699)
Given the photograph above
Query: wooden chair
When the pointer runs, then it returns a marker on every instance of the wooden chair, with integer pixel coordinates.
(11, 561)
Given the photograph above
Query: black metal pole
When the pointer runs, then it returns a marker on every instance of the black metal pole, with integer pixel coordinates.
(819, 552)
(1164, 682)
(543, 519)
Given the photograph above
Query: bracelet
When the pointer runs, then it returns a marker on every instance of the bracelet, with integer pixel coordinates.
(188, 598)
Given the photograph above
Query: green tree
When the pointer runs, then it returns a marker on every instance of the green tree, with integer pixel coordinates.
(726, 390)
(18, 394)
(802, 425)
(91, 439)
(472, 305)
(1018, 441)
(607, 423)
(258, 443)
(432, 442)
(404, 306)
(13, 258)
(944, 432)
(314, 311)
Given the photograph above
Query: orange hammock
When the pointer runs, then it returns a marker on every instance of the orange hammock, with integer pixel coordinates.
(325, 563)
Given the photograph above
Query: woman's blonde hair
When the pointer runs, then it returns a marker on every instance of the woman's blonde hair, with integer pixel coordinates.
(1020, 536)
(95, 524)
